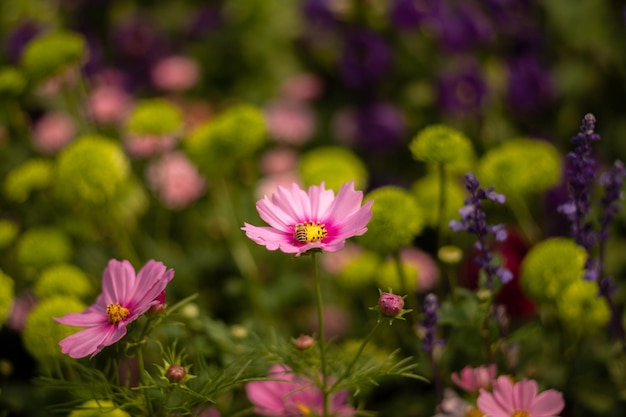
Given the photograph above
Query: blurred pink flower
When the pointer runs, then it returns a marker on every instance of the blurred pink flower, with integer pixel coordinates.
(510, 399)
(22, 305)
(143, 146)
(279, 160)
(335, 262)
(427, 269)
(175, 73)
(109, 104)
(302, 87)
(125, 296)
(300, 221)
(269, 185)
(290, 122)
(454, 406)
(336, 322)
(52, 132)
(473, 379)
(176, 180)
(293, 396)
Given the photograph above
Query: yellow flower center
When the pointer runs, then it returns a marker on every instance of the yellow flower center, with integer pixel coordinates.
(309, 232)
(520, 413)
(306, 411)
(116, 313)
(474, 412)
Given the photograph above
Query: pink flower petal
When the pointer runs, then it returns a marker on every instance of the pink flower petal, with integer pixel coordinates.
(524, 392)
(487, 403)
(547, 404)
(92, 340)
(118, 281)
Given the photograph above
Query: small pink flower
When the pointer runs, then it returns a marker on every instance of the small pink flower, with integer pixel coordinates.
(290, 122)
(300, 221)
(109, 104)
(175, 73)
(278, 161)
(302, 87)
(52, 132)
(176, 180)
(512, 400)
(20, 310)
(473, 379)
(427, 269)
(125, 297)
(143, 146)
(293, 396)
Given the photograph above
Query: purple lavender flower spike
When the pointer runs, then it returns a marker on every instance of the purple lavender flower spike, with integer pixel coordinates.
(473, 220)
(429, 323)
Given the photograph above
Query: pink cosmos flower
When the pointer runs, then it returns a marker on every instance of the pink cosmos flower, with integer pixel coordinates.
(125, 296)
(293, 396)
(175, 73)
(52, 132)
(143, 146)
(109, 104)
(176, 180)
(290, 122)
(300, 221)
(509, 399)
(473, 379)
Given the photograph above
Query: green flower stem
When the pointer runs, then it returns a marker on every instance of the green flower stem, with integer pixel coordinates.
(403, 288)
(441, 204)
(320, 325)
(364, 343)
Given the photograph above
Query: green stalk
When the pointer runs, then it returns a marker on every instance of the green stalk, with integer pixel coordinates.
(322, 342)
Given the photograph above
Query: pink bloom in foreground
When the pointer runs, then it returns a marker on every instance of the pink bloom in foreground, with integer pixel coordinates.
(125, 296)
(293, 396)
(300, 221)
(473, 379)
(519, 399)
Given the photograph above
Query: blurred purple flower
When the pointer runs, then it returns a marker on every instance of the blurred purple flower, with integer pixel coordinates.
(429, 323)
(374, 127)
(409, 14)
(511, 17)
(17, 39)
(461, 91)
(530, 88)
(366, 59)
(320, 13)
(205, 20)
(462, 26)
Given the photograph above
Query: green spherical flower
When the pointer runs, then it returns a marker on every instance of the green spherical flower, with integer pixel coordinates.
(12, 82)
(43, 246)
(32, 175)
(581, 308)
(388, 277)
(155, 117)
(98, 408)
(91, 170)
(396, 220)
(218, 145)
(8, 232)
(427, 191)
(521, 167)
(334, 165)
(41, 335)
(63, 279)
(359, 271)
(7, 294)
(443, 144)
(52, 53)
(131, 201)
(551, 266)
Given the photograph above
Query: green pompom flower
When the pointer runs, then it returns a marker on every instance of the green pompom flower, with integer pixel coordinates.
(388, 276)
(334, 165)
(49, 55)
(427, 191)
(63, 279)
(219, 144)
(7, 295)
(581, 308)
(12, 82)
(43, 246)
(8, 232)
(91, 169)
(551, 266)
(32, 175)
(444, 145)
(396, 220)
(155, 117)
(360, 271)
(521, 167)
(41, 335)
(98, 408)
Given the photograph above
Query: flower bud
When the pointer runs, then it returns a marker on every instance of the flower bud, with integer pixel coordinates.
(176, 373)
(303, 342)
(390, 305)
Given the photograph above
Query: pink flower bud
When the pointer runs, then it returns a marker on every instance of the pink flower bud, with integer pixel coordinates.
(390, 305)
(303, 342)
(176, 373)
